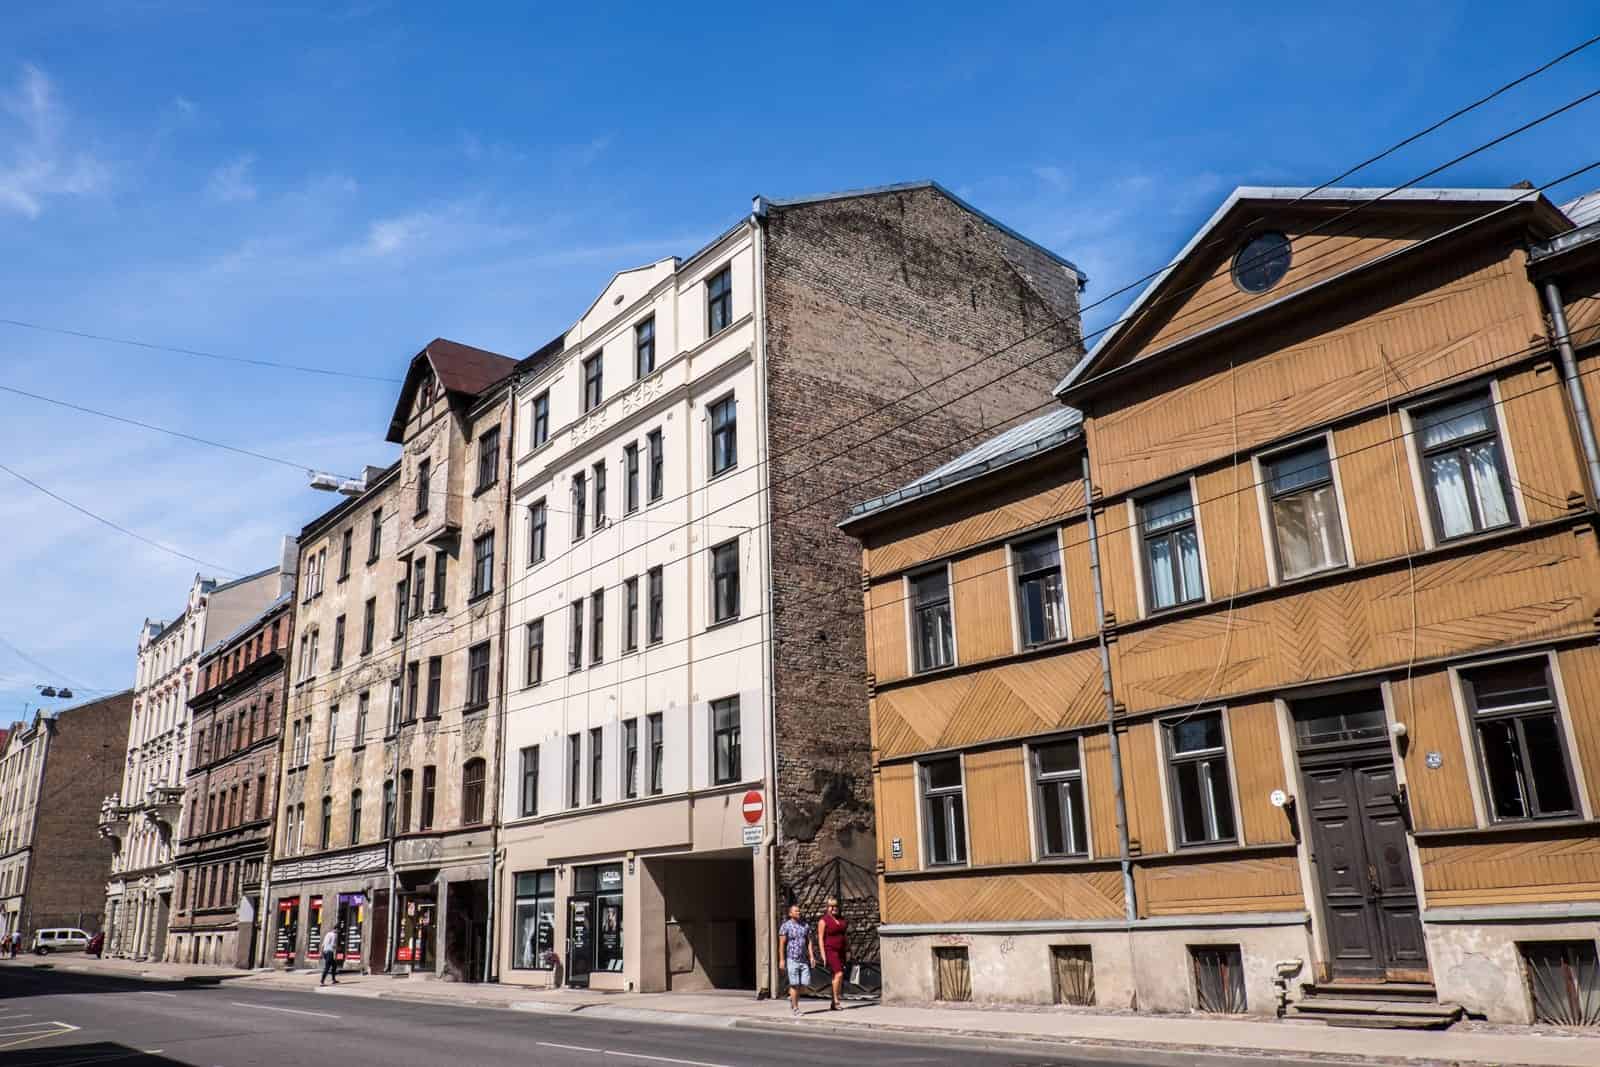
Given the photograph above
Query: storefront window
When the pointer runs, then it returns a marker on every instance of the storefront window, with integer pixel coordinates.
(352, 912)
(536, 921)
(605, 883)
(288, 927)
(314, 928)
(415, 943)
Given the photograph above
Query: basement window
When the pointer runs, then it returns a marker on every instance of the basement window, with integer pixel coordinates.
(1564, 981)
(952, 974)
(1218, 978)
(1072, 974)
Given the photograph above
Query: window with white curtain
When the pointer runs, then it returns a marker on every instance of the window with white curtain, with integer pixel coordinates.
(1171, 549)
(1304, 509)
(1463, 467)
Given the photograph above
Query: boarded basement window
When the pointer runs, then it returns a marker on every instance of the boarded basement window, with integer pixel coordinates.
(952, 974)
(1564, 979)
(1072, 968)
(1218, 978)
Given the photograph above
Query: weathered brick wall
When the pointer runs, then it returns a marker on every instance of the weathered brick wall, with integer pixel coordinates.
(71, 863)
(869, 298)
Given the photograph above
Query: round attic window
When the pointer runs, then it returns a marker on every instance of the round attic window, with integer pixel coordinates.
(1262, 262)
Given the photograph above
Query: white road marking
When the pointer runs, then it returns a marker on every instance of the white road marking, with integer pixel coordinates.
(153, 993)
(53, 1029)
(663, 1059)
(8, 1027)
(569, 1048)
(291, 1011)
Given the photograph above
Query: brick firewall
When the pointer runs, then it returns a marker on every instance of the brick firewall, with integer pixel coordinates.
(870, 298)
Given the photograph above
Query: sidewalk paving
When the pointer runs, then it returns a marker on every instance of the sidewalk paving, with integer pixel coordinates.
(1170, 1037)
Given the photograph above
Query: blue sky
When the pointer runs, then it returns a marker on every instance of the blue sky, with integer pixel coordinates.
(336, 184)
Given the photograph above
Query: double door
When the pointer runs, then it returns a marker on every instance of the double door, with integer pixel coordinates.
(1359, 849)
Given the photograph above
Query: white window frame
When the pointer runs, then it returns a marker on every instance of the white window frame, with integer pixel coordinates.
(1036, 817)
(924, 849)
(1269, 537)
(1169, 802)
(908, 597)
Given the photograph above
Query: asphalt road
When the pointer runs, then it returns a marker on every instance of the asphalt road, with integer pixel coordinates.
(54, 1019)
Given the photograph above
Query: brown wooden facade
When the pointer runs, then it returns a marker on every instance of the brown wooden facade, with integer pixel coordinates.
(1320, 763)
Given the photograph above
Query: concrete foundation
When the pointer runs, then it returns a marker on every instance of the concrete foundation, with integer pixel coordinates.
(1477, 964)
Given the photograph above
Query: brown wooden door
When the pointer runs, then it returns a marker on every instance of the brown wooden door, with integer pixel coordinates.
(378, 942)
(1358, 845)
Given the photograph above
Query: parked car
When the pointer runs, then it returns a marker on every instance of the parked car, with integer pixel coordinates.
(59, 939)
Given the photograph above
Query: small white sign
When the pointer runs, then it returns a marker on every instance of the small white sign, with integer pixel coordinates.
(896, 849)
(1434, 760)
(752, 836)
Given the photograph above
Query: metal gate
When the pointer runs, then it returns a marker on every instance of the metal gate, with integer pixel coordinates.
(856, 889)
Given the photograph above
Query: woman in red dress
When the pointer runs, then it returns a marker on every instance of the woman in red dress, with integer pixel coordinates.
(831, 936)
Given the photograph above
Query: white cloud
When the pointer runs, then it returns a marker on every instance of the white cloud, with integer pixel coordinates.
(232, 183)
(37, 166)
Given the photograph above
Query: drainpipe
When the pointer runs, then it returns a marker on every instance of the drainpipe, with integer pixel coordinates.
(1580, 403)
(491, 951)
(767, 977)
(1130, 906)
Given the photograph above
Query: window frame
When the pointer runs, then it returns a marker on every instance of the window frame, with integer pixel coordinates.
(735, 770)
(914, 610)
(426, 807)
(474, 789)
(630, 616)
(539, 430)
(478, 681)
(483, 565)
(631, 499)
(575, 633)
(1169, 534)
(533, 662)
(656, 750)
(375, 537)
(1554, 706)
(1021, 578)
(1172, 759)
(431, 708)
(1266, 497)
(655, 605)
(728, 431)
(630, 758)
(355, 817)
(592, 378)
(597, 764)
(656, 449)
(928, 796)
(719, 299)
(1496, 433)
(528, 778)
(488, 458)
(538, 531)
(574, 771)
(644, 347)
(424, 486)
(1041, 780)
(597, 475)
(718, 554)
(597, 626)
(441, 565)
(580, 504)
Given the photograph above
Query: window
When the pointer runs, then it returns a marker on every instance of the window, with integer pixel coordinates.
(597, 629)
(478, 675)
(658, 622)
(596, 765)
(435, 683)
(419, 586)
(724, 436)
(1041, 604)
(655, 444)
(599, 494)
(574, 769)
(1171, 550)
(394, 706)
(580, 503)
(483, 565)
(541, 418)
(355, 817)
(644, 347)
(536, 921)
(333, 729)
(288, 829)
(363, 703)
(369, 623)
(424, 485)
(1059, 781)
(405, 802)
(295, 762)
(930, 604)
(719, 301)
(952, 974)
(441, 564)
(472, 792)
(327, 823)
(654, 726)
(725, 740)
(338, 642)
(575, 645)
(1261, 262)
(425, 815)
(533, 672)
(530, 781)
(943, 816)
(1306, 531)
(630, 481)
(413, 675)
(375, 536)
(630, 619)
(1521, 747)
(630, 758)
(1201, 796)
(725, 581)
(400, 608)
(538, 521)
(592, 388)
(388, 808)
(489, 458)
(1463, 467)
(345, 541)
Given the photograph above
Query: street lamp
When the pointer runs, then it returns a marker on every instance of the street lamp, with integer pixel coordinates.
(51, 691)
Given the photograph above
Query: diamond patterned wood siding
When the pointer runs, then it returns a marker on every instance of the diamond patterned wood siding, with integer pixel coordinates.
(982, 596)
(1449, 321)
(1534, 409)
(887, 651)
(997, 807)
(897, 816)
(996, 897)
(1040, 501)
(1383, 519)
(1534, 869)
(1531, 590)
(1580, 679)
(1269, 883)
(1258, 769)
(1011, 700)
(1441, 797)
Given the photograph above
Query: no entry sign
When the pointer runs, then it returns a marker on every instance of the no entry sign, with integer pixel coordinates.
(753, 807)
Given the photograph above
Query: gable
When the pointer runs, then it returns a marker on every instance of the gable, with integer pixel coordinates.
(624, 289)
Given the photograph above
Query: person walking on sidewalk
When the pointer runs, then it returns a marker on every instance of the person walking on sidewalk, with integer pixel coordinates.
(799, 955)
(330, 950)
(832, 940)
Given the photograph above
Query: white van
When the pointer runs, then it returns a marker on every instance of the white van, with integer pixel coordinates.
(59, 939)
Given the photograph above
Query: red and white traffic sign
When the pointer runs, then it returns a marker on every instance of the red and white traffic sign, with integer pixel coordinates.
(753, 807)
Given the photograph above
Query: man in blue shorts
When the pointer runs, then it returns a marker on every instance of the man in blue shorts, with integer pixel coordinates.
(799, 955)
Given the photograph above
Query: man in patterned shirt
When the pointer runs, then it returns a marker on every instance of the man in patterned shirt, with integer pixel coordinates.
(799, 955)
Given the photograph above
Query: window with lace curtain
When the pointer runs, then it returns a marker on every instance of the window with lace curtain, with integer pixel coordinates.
(1303, 504)
(1463, 467)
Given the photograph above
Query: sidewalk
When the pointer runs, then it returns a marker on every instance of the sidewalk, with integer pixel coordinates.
(1156, 1038)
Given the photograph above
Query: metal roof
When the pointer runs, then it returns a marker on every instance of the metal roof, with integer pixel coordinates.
(1022, 441)
(1286, 193)
(1584, 209)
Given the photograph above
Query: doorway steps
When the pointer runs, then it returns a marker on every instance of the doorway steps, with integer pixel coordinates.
(1378, 1005)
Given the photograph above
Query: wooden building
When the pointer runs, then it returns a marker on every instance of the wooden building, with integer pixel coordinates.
(1344, 753)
